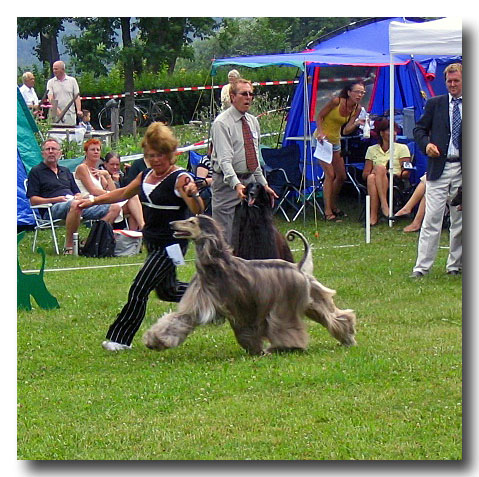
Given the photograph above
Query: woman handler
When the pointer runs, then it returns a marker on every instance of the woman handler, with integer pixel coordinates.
(167, 193)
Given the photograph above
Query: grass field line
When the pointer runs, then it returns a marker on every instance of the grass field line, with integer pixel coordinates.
(93, 267)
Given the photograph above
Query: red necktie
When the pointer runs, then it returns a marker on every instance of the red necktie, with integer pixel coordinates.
(250, 153)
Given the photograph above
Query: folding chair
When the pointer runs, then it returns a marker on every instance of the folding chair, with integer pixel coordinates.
(194, 159)
(284, 175)
(353, 151)
(44, 221)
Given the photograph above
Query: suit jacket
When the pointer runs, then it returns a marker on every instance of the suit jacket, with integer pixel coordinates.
(434, 127)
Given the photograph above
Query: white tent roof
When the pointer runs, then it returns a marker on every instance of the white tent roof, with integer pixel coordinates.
(437, 37)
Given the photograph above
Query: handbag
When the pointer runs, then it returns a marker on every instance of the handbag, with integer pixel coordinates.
(127, 242)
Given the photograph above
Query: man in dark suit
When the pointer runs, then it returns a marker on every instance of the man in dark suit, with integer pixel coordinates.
(439, 134)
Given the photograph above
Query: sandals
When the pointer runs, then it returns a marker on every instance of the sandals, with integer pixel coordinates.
(68, 251)
(339, 213)
(332, 218)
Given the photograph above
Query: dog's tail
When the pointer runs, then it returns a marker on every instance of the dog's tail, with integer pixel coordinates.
(306, 262)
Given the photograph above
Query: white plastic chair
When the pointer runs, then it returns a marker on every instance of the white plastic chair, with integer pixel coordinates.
(44, 222)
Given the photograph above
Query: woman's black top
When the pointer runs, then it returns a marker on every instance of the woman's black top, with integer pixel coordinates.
(160, 208)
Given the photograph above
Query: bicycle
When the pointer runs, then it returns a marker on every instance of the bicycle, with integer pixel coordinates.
(104, 115)
(155, 111)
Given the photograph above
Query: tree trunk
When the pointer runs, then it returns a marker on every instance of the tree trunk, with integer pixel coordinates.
(48, 49)
(129, 126)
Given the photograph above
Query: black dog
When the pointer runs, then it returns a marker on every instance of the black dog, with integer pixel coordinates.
(254, 233)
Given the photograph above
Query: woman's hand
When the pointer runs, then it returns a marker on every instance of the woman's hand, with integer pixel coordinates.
(321, 138)
(189, 187)
(85, 203)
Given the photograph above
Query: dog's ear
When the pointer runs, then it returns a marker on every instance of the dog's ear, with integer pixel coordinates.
(207, 224)
(211, 240)
(263, 195)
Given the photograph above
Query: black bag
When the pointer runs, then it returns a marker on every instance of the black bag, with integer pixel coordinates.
(100, 242)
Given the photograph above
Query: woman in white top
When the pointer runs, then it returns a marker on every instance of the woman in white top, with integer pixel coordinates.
(94, 181)
(233, 75)
(377, 165)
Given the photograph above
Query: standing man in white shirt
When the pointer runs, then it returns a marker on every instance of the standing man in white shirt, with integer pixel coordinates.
(439, 135)
(64, 89)
(28, 90)
(235, 136)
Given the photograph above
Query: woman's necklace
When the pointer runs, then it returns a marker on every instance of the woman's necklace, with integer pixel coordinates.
(160, 177)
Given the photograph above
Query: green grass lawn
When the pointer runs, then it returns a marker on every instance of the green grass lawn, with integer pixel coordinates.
(397, 395)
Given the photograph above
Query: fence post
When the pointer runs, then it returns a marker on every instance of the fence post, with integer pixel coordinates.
(53, 110)
(115, 123)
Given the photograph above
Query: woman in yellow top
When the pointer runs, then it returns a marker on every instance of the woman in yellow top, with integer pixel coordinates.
(376, 168)
(338, 116)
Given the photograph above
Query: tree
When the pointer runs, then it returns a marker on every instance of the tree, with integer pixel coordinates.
(46, 30)
(96, 49)
(156, 46)
(264, 35)
(128, 60)
(167, 39)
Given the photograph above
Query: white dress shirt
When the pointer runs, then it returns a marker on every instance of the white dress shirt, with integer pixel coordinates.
(29, 95)
(452, 151)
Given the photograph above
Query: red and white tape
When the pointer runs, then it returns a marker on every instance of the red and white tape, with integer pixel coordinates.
(200, 88)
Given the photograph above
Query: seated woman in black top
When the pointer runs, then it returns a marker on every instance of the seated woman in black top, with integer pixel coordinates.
(167, 193)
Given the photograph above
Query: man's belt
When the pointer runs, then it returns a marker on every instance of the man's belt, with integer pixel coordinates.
(453, 159)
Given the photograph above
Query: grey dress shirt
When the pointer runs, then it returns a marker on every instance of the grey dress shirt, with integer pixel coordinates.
(228, 155)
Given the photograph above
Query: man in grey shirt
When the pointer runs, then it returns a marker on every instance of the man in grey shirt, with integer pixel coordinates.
(232, 169)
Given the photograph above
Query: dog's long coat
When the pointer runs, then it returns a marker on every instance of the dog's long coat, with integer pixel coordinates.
(262, 299)
(254, 233)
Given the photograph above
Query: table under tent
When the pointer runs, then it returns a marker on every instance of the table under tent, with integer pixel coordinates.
(362, 48)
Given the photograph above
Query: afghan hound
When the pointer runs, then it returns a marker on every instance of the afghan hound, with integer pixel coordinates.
(261, 299)
(254, 233)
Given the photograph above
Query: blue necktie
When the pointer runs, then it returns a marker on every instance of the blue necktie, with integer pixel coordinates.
(456, 122)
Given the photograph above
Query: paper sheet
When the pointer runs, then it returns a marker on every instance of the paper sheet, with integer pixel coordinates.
(174, 252)
(324, 151)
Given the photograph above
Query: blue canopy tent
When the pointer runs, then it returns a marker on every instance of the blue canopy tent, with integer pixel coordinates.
(364, 43)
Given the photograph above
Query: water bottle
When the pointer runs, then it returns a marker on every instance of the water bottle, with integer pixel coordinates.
(75, 244)
(366, 128)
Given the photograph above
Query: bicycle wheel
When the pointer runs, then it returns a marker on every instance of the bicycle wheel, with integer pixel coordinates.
(161, 111)
(139, 116)
(104, 119)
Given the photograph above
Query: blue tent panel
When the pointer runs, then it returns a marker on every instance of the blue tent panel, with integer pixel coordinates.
(24, 213)
(408, 91)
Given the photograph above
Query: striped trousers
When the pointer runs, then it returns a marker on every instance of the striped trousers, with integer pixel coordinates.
(158, 273)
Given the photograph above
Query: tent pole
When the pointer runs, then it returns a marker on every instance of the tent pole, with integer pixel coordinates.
(305, 132)
(391, 136)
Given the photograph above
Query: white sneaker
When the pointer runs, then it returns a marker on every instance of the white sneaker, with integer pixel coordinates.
(112, 346)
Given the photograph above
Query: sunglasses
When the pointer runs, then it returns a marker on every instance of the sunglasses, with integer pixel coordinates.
(246, 93)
